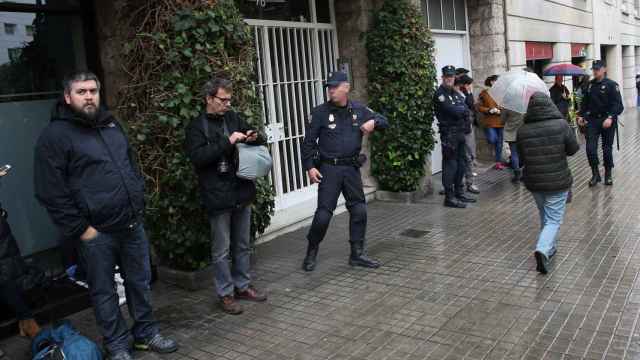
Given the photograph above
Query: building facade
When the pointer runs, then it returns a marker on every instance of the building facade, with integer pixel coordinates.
(299, 42)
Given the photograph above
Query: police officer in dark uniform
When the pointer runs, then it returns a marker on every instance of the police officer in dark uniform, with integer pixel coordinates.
(331, 157)
(452, 114)
(599, 112)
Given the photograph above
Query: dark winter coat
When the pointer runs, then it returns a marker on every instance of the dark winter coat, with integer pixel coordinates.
(10, 259)
(85, 174)
(220, 192)
(544, 142)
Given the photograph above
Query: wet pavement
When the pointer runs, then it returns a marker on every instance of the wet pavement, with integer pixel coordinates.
(456, 284)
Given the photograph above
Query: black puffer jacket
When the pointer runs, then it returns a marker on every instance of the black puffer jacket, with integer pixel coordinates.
(544, 141)
(85, 174)
(220, 192)
(10, 259)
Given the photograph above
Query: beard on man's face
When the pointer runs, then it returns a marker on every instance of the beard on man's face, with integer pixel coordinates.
(87, 111)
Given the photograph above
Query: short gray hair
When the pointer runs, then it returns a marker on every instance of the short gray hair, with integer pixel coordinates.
(77, 77)
(212, 86)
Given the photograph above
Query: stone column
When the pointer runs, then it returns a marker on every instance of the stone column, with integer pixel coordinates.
(614, 63)
(353, 19)
(488, 51)
(628, 86)
(561, 55)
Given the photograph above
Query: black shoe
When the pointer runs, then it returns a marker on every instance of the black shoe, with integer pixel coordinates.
(122, 355)
(454, 203)
(442, 192)
(542, 263)
(473, 189)
(309, 263)
(157, 343)
(517, 176)
(595, 176)
(359, 258)
(465, 199)
(608, 176)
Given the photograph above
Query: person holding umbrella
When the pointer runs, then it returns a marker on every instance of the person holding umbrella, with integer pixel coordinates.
(561, 96)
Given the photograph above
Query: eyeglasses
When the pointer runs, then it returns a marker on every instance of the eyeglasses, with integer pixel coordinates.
(223, 100)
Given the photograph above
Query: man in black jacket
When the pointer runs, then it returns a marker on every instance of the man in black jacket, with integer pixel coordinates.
(210, 144)
(86, 177)
(544, 142)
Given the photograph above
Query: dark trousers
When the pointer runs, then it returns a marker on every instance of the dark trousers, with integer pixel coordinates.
(594, 132)
(336, 180)
(454, 159)
(130, 250)
(11, 295)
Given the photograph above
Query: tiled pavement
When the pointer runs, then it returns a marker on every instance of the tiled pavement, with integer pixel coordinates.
(466, 288)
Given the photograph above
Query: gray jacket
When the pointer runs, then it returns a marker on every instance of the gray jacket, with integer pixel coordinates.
(512, 122)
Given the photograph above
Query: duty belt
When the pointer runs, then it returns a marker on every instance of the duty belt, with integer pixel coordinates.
(348, 161)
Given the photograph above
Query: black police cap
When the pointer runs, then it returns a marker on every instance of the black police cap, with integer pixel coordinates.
(449, 70)
(598, 64)
(336, 78)
(461, 71)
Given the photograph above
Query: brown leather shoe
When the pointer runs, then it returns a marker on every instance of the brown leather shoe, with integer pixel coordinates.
(230, 306)
(28, 328)
(251, 294)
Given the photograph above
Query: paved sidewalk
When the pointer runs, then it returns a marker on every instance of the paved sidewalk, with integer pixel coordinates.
(456, 284)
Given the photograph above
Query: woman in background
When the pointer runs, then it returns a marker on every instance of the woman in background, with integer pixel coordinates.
(491, 120)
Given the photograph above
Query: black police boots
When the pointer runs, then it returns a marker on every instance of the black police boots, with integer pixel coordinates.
(608, 176)
(359, 257)
(452, 202)
(595, 177)
(309, 263)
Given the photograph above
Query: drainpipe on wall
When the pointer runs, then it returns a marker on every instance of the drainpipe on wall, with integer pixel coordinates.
(507, 50)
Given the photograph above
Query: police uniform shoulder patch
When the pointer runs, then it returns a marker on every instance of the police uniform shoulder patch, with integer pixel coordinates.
(441, 98)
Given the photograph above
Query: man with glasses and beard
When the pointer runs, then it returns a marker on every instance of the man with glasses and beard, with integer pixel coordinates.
(87, 178)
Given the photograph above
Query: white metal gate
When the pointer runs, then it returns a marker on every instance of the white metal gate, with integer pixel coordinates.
(293, 61)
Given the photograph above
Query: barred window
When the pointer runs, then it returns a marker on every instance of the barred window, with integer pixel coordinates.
(445, 14)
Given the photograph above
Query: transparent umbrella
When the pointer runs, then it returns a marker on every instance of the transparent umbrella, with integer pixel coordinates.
(514, 89)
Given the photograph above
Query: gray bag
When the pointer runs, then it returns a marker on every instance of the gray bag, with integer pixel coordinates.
(253, 161)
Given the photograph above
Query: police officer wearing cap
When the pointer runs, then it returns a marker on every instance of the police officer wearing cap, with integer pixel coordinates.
(331, 157)
(452, 114)
(599, 111)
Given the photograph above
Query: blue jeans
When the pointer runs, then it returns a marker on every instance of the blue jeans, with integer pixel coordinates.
(130, 250)
(495, 138)
(515, 158)
(551, 207)
(230, 232)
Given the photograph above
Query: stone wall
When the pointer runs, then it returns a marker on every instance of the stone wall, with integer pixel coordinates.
(488, 52)
(353, 19)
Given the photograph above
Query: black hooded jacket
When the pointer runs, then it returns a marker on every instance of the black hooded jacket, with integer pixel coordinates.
(85, 174)
(544, 142)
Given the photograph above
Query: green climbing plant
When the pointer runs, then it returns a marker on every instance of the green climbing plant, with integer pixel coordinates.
(402, 79)
(176, 48)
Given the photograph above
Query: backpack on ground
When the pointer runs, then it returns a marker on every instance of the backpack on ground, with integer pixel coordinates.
(62, 341)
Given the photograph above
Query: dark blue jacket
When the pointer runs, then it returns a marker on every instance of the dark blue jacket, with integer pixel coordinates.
(85, 174)
(451, 111)
(601, 100)
(334, 132)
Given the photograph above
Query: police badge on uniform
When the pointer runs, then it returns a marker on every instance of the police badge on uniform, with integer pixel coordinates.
(441, 98)
(332, 126)
(331, 118)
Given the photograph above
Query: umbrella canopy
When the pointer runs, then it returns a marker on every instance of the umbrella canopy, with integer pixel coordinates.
(514, 89)
(564, 69)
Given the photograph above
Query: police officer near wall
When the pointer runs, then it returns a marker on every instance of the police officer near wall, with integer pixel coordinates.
(452, 114)
(599, 111)
(331, 156)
